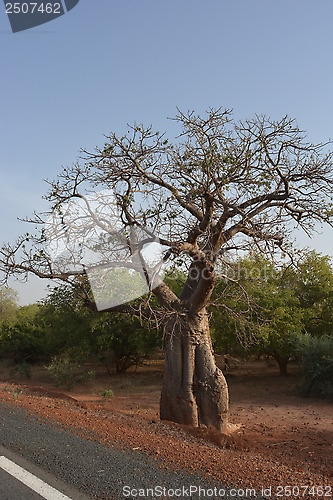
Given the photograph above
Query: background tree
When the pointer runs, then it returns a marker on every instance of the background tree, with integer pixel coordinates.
(8, 305)
(21, 339)
(122, 341)
(314, 287)
(263, 313)
(66, 325)
(221, 186)
(118, 340)
(279, 322)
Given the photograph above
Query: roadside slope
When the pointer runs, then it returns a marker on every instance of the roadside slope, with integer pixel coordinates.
(103, 451)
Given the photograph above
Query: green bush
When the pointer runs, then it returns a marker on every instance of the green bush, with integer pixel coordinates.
(64, 371)
(316, 365)
(108, 394)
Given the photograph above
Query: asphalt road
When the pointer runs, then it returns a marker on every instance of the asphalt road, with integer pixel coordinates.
(12, 488)
(80, 468)
(23, 479)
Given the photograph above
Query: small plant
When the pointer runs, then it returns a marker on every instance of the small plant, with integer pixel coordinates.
(107, 394)
(16, 393)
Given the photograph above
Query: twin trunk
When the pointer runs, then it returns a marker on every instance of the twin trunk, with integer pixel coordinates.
(194, 390)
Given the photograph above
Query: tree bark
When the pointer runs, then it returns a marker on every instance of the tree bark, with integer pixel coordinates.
(194, 391)
(283, 366)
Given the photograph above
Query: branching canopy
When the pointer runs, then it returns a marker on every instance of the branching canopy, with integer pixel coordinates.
(221, 186)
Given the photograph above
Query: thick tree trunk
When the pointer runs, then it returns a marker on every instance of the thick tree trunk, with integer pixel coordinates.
(194, 390)
(283, 366)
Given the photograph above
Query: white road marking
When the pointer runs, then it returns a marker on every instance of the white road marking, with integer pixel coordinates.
(33, 482)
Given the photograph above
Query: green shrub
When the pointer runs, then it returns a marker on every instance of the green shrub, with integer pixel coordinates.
(64, 371)
(16, 392)
(316, 365)
(108, 394)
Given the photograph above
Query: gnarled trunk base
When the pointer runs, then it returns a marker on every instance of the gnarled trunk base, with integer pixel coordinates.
(194, 390)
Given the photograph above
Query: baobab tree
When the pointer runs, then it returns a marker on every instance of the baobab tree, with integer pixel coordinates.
(221, 186)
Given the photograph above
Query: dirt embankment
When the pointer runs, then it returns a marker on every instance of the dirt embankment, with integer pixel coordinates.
(281, 438)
